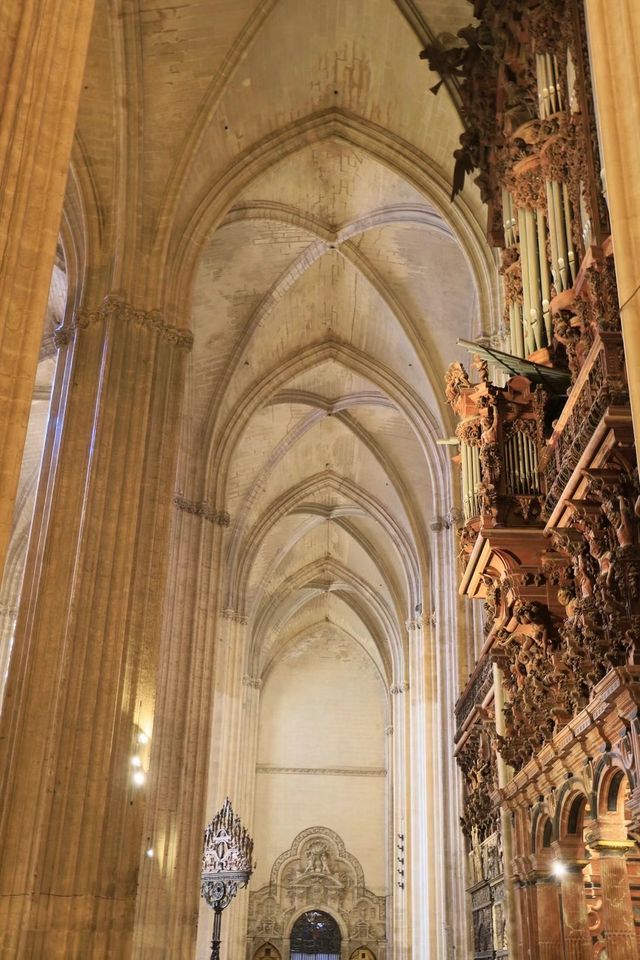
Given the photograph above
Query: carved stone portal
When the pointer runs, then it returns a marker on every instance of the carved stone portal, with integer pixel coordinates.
(317, 873)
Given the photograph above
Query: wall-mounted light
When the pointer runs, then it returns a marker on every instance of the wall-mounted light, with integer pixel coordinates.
(559, 868)
(139, 759)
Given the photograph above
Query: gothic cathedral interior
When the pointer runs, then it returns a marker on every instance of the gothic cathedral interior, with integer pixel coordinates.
(319, 499)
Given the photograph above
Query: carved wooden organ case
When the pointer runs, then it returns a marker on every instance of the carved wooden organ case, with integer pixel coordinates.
(548, 721)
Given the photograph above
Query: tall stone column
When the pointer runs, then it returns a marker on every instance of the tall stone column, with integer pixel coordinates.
(613, 35)
(82, 682)
(43, 47)
(168, 892)
(617, 912)
(245, 791)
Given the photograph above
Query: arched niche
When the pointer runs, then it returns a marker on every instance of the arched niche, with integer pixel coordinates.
(267, 952)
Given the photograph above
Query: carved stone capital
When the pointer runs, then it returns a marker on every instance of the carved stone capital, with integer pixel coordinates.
(114, 308)
(201, 508)
(230, 614)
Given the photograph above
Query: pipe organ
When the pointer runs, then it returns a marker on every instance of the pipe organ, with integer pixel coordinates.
(548, 722)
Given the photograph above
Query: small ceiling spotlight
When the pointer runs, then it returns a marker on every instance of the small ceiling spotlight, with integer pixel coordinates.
(139, 778)
(559, 868)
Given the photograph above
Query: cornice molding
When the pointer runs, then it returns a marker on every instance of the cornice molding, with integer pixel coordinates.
(113, 307)
(324, 771)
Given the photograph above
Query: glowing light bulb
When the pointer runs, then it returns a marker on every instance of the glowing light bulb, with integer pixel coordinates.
(143, 738)
(138, 778)
(149, 853)
(136, 761)
(559, 868)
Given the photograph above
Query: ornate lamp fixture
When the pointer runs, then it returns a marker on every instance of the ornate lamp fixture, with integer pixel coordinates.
(226, 865)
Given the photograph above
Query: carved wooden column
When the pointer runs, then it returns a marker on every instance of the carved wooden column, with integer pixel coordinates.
(43, 47)
(524, 895)
(618, 925)
(613, 48)
(82, 682)
(549, 926)
(575, 925)
(504, 775)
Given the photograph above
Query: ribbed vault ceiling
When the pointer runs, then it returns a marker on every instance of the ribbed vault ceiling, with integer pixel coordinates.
(293, 170)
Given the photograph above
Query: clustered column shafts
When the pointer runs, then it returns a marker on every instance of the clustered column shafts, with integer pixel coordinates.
(168, 897)
(43, 47)
(83, 676)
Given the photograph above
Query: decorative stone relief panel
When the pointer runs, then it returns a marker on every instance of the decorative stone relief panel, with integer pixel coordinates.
(317, 873)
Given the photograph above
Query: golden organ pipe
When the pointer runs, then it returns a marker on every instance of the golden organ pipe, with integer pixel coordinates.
(526, 291)
(517, 331)
(535, 307)
(465, 479)
(475, 459)
(558, 213)
(544, 276)
(523, 463)
(527, 457)
(567, 226)
(508, 451)
(553, 237)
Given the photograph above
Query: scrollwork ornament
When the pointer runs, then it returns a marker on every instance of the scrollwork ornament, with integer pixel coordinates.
(470, 432)
(456, 380)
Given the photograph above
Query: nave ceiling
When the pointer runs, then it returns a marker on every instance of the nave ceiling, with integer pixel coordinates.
(283, 172)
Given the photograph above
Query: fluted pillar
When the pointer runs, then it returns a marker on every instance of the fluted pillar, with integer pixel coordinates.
(43, 47)
(82, 683)
(618, 926)
(613, 36)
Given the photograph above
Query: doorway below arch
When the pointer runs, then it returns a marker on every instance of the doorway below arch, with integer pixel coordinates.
(362, 953)
(315, 934)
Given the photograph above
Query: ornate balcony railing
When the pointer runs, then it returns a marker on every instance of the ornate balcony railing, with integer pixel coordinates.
(474, 694)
